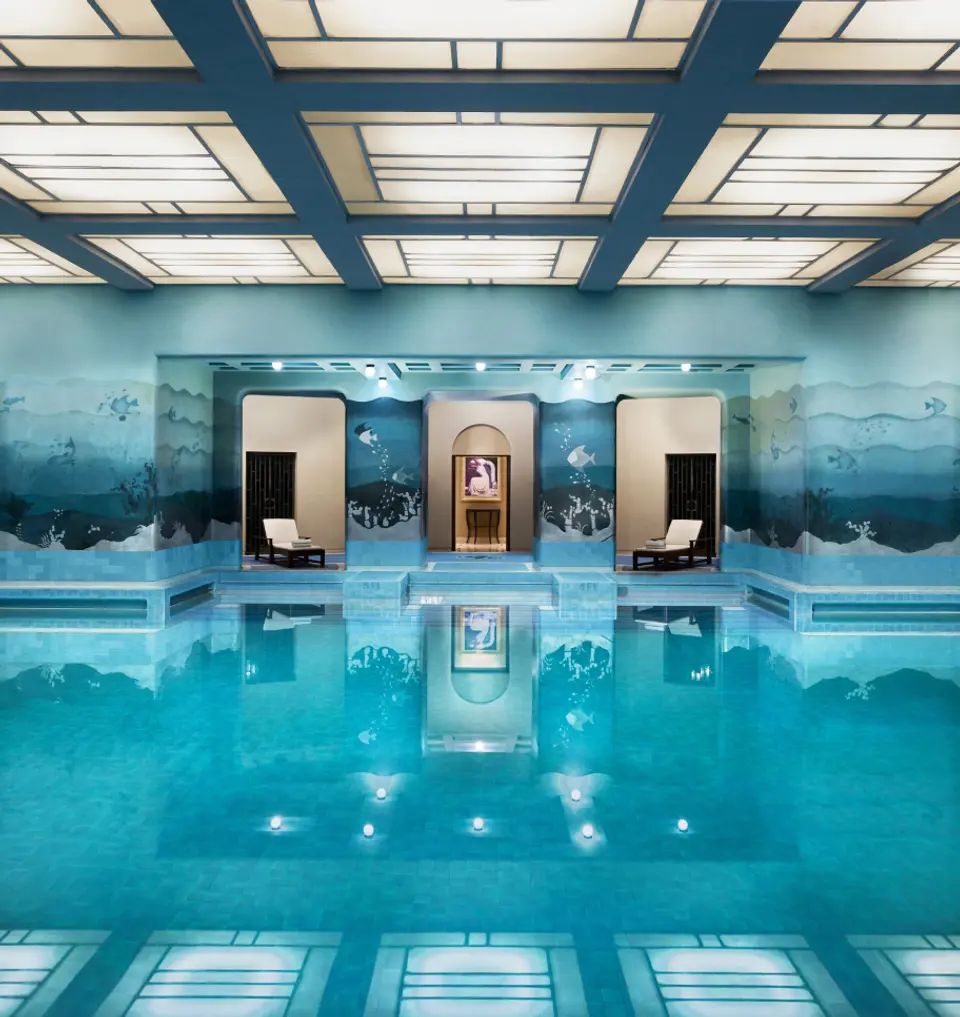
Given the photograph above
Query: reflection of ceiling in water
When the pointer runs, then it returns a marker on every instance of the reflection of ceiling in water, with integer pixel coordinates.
(480, 687)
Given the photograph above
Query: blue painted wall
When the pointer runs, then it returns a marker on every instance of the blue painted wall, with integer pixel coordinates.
(868, 428)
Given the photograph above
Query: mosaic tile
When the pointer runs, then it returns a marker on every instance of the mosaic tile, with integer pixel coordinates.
(746, 976)
(476, 975)
(225, 973)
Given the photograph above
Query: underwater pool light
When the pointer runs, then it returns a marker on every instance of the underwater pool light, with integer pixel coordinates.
(683, 825)
(590, 372)
(276, 822)
(479, 747)
(478, 824)
(381, 793)
(369, 371)
(277, 365)
(578, 382)
(368, 830)
(587, 831)
(382, 382)
(576, 795)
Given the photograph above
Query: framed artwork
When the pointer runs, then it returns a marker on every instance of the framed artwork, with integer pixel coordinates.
(481, 478)
(480, 639)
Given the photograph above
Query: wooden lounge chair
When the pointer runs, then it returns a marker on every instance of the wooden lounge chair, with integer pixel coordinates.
(282, 536)
(681, 542)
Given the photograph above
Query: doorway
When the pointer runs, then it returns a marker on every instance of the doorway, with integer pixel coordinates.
(692, 493)
(270, 482)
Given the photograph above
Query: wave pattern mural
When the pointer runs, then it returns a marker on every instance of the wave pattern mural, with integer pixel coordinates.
(94, 465)
(833, 469)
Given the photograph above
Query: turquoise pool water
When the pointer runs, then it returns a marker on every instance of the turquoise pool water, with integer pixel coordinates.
(774, 818)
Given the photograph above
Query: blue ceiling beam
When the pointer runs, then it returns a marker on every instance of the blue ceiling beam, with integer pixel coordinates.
(731, 44)
(534, 92)
(226, 52)
(48, 231)
(941, 223)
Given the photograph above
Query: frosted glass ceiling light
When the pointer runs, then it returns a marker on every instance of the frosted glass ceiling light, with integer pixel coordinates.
(491, 259)
(135, 163)
(823, 165)
(23, 261)
(73, 34)
(438, 34)
(486, 164)
(882, 35)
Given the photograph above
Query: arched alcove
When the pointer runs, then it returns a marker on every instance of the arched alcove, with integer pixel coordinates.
(481, 440)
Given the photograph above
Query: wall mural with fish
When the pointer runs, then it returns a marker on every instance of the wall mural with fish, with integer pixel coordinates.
(856, 483)
(107, 466)
(385, 504)
(576, 472)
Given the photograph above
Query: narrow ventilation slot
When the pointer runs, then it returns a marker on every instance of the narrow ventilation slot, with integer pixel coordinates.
(767, 601)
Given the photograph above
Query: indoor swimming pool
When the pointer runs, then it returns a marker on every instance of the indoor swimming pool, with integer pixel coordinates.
(477, 808)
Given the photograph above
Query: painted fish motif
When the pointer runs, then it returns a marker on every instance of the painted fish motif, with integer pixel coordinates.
(121, 406)
(792, 405)
(842, 460)
(775, 449)
(578, 458)
(578, 720)
(367, 736)
(65, 458)
(935, 405)
(11, 401)
(365, 433)
(403, 476)
(748, 419)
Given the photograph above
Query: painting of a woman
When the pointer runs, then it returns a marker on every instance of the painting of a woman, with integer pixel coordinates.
(480, 478)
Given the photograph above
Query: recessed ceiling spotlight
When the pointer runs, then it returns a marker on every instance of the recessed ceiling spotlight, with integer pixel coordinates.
(277, 365)
(684, 367)
(382, 383)
(590, 372)
(480, 365)
(369, 371)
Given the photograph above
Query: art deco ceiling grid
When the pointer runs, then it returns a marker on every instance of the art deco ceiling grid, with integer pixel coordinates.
(371, 142)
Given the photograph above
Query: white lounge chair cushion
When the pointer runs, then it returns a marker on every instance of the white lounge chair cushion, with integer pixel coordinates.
(281, 531)
(682, 532)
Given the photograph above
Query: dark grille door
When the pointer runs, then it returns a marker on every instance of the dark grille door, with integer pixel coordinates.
(270, 487)
(692, 493)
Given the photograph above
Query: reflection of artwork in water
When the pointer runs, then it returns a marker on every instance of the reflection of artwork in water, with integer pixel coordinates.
(480, 639)
(385, 686)
(481, 478)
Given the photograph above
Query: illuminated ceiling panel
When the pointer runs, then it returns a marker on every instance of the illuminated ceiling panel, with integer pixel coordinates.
(492, 35)
(826, 165)
(133, 163)
(480, 260)
(80, 33)
(738, 261)
(869, 35)
(936, 265)
(23, 261)
(221, 259)
(479, 163)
